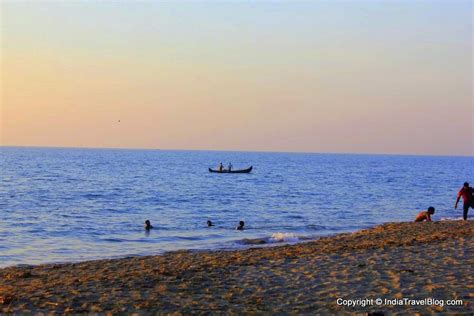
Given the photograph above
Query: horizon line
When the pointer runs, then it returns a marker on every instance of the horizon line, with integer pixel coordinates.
(235, 150)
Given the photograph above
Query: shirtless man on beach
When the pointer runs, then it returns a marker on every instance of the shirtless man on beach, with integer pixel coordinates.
(467, 195)
(425, 216)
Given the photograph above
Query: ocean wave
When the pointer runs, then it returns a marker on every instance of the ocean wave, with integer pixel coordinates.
(113, 240)
(452, 218)
(254, 241)
(283, 237)
(275, 238)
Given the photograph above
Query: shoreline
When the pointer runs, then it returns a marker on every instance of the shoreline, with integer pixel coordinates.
(390, 261)
(234, 245)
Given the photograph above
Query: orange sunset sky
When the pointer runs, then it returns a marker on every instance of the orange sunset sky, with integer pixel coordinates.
(313, 76)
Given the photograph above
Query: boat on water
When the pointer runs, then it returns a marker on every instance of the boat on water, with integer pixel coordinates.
(232, 171)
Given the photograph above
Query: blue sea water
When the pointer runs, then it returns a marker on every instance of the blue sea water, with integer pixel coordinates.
(60, 205)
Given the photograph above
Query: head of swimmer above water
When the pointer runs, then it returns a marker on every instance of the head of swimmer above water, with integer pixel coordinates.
(241, 225)
(148, 224)
(209, 224)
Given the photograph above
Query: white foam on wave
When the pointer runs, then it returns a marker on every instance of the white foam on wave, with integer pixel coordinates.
(283, 237)
(451, 219)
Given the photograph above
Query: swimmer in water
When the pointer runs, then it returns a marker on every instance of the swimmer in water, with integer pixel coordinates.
(241, 226)
(425, 216)
(148, 225)
(209, 224)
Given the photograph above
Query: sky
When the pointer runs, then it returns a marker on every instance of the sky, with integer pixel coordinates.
(391, 77)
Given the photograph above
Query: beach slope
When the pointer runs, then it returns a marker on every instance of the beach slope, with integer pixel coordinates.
(416, 261)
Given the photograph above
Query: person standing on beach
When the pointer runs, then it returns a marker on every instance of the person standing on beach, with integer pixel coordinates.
(425, 216)
(466, 192)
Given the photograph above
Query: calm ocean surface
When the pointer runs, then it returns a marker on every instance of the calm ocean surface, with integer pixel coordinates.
(61, 205)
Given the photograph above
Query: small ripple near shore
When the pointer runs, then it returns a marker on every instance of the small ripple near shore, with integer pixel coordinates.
(395, 260)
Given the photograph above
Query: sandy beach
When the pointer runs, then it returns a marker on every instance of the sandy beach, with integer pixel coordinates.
(416, 261)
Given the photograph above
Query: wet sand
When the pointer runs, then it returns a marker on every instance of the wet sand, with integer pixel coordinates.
(396, 260)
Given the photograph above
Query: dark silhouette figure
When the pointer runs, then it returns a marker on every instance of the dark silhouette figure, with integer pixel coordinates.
(148, 225)
(241, 226)
(209, 224)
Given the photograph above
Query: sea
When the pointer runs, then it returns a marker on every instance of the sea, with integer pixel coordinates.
(69, 205)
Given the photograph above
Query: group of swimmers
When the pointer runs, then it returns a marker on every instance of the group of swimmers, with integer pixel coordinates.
(241, 225)
(238, 227)
(467, 194)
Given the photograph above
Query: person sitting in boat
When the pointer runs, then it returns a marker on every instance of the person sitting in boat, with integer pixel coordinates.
(221, 167)
(230, 167)
(241, 226)
(425, 216)
(209, 224)
(148, 225)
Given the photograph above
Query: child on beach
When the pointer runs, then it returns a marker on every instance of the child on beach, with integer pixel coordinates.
(467, 195)
(425, 216)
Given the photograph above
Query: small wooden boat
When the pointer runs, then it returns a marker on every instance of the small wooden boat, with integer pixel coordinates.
(232, 171)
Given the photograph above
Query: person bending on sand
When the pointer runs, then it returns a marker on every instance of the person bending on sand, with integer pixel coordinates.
(148, 225)
(425, 216)
(467, 195)
(241, 226)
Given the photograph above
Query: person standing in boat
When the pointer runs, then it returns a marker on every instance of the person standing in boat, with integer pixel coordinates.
(230, 167)
(221, 167)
